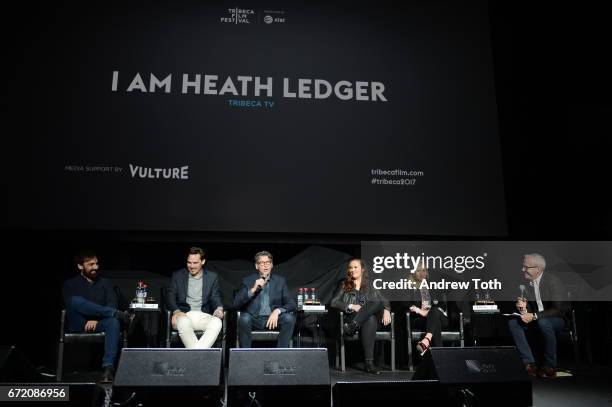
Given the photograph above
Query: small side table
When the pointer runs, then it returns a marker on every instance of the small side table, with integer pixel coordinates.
(488, 325)
(301, 314)
(149, 319)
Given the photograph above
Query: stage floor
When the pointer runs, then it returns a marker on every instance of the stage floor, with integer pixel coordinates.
(590, 386)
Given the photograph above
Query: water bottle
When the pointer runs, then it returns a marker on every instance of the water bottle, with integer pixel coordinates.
(300, 297)
(313, 295)
(139, 292)
(145, 293)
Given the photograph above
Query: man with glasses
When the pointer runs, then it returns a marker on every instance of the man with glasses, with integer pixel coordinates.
(264, 301)
(543, 308)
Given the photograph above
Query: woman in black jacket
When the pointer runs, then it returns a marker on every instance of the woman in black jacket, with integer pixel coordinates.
(430, 311)
(362, 304)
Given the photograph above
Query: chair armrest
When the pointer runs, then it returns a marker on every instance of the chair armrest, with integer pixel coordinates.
(223, 324)
(574, 328)
(168, 325)
(62, 325)
(408, 327)
(392, 325)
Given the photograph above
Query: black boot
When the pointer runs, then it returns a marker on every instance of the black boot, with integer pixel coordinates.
(107, 374)
(350, 328)
(370, 368)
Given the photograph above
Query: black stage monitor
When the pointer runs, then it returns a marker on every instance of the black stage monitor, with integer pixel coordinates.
(168, 376)
(278, 377)
(479, 375)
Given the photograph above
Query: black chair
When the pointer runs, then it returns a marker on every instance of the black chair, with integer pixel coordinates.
(570, 332)
(453, 333)
(259, 335)
(78, 337)
(386, 335)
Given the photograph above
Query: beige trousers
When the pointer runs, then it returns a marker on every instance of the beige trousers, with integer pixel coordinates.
(198, 321)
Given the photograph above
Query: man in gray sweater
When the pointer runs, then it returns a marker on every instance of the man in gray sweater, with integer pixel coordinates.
(195, 302)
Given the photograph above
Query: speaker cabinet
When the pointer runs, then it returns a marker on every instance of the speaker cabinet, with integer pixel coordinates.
(479, 376)
(278, 377)
(168, 376)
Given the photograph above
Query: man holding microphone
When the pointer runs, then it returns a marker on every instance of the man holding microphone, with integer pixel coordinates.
(541, 305)
(264, 301)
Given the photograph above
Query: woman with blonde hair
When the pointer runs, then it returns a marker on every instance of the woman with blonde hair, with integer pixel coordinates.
(430, 314)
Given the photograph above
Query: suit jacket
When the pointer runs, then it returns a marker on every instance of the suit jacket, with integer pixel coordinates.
(552, 293)
(177, 292)
(279, 295)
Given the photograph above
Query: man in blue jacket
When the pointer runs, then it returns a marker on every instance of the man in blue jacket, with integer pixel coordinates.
(264, 301)
(195, 302)
(91, 306)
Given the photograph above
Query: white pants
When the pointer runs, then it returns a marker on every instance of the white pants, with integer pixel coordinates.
(198, 321)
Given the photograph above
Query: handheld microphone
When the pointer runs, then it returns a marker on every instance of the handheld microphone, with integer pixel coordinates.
(266, 279)
(523, 295)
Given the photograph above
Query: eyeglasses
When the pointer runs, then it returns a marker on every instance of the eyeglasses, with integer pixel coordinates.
(264, 263)
(528, 267)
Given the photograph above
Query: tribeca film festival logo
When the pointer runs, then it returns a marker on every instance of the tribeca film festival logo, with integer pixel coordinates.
(239, 15)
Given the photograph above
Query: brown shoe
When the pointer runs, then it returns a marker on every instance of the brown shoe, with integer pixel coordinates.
(531, 369)
(547, 372)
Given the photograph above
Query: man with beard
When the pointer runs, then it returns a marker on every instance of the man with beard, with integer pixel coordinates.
(91, 306)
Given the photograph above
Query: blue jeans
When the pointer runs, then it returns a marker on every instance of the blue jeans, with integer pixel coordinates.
(548, 328)
(79, 311)
(248, 322)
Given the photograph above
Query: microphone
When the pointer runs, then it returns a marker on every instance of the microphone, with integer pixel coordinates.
(266, 279)
(523, 295)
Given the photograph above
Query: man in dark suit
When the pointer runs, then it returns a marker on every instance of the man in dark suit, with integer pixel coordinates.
(195, 302)
(264, 301)
(543, 307)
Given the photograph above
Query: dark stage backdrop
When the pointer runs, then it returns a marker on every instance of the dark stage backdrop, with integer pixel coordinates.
(299, 117)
